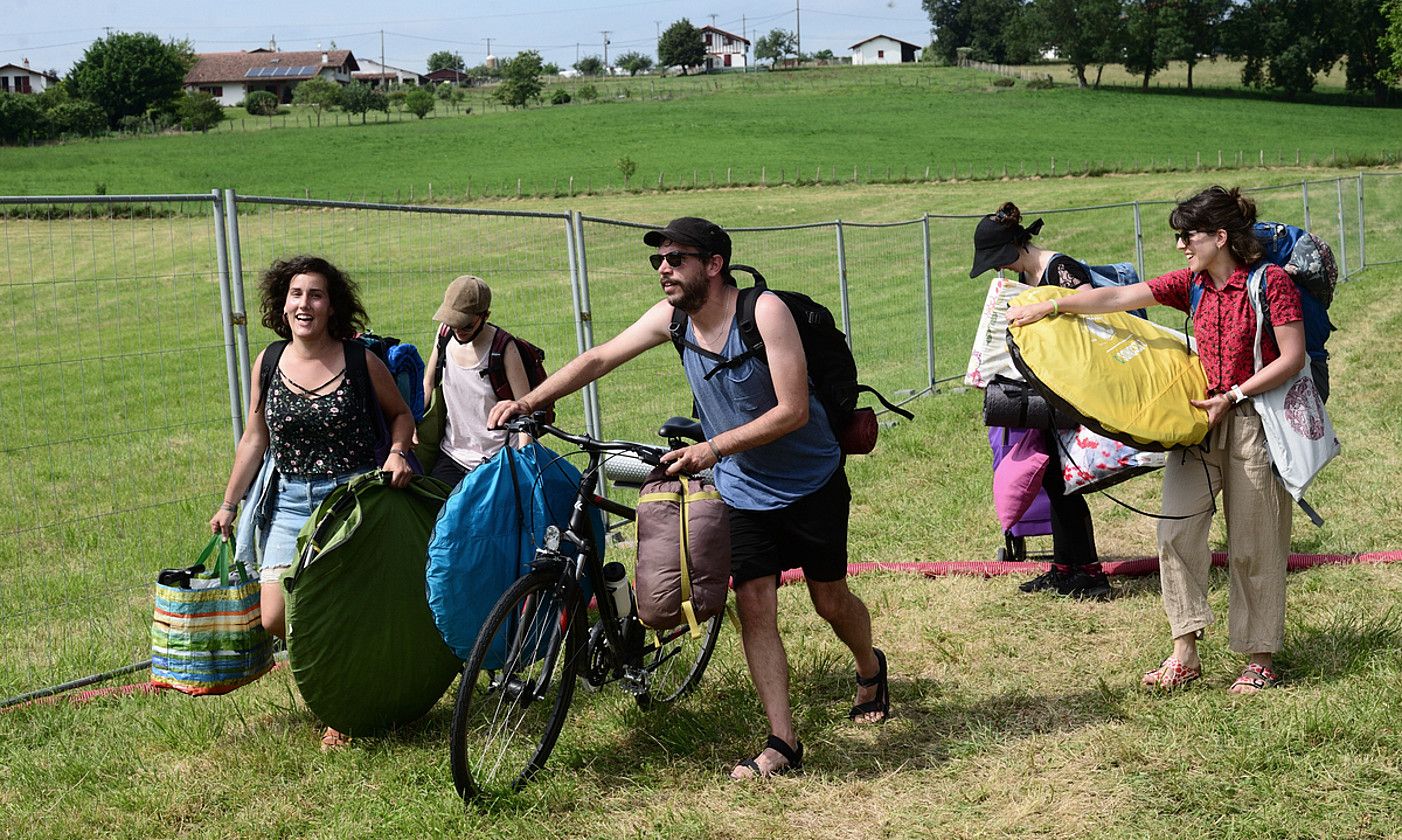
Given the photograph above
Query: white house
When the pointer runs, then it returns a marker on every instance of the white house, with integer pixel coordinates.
(883, 49)
(724, 49)
(230, 76)
(375, 74)
(15, 78)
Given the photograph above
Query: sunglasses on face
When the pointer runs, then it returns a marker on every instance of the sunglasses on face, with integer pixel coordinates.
(1184, 235)
(673, 258)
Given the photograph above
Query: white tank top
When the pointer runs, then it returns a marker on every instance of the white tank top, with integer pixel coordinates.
(468, 396)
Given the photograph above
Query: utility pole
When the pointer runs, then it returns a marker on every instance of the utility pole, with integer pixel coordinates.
(713, 20)
(605, 33)
(797, 31)
(489, 45)
(384, 83)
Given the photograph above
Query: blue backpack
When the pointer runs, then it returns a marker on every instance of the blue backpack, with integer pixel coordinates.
(1112, 274)
(1310, 263)
(405, 365)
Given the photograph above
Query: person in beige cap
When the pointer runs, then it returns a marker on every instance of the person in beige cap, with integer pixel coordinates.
(464, 363)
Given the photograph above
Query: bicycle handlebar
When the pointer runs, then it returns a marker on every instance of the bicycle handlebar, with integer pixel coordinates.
(534, 424)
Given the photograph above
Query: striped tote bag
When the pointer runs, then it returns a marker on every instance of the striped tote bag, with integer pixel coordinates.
(207, 634)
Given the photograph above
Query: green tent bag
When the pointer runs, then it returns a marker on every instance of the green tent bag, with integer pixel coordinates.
(361, 641)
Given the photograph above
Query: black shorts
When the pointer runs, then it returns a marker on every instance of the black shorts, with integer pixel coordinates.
(810, 533)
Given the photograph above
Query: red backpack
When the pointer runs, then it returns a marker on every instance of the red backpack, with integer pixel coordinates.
(532, 357)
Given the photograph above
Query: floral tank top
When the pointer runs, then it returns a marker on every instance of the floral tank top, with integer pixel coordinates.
(318, 436)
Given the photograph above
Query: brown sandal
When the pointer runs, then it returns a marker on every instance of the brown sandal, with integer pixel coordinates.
(334, 740)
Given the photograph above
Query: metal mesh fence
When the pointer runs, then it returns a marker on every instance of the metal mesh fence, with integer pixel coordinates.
(115, 392)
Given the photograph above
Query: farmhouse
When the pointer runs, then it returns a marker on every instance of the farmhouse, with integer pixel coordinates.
(230, 76)
(883, 49)
(375, 74)
(724, 49)
(449, 75)
(17, 79)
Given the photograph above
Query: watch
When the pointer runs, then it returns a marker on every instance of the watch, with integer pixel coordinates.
(1238, 395)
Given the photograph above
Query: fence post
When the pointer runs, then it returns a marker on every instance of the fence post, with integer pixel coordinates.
(1362, 239)
(1305, 194)
(1138, 240)
(221, 258)
(1343, 239)
(583, 326)
(929, 309)
(240, 319)
(842, 285)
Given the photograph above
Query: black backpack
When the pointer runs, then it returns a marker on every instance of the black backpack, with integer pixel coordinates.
(831, 366)
(532, 358)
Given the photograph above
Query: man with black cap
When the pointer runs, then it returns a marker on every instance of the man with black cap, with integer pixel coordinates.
(776, 463)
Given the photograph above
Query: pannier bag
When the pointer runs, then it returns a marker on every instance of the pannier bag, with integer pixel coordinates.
(360, 638)
(207, 633)
(989, 356)
(683, 552)
(1121, 376)
(1014, 404)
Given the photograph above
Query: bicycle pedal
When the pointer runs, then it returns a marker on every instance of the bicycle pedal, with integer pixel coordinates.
(634, 681)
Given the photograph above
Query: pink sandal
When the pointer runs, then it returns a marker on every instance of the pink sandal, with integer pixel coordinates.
(1255, 678)
(1171, 674)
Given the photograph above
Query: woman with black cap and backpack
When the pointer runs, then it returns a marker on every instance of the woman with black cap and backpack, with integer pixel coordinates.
(1001, 242)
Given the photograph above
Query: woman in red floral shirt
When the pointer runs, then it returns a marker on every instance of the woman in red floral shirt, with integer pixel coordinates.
(1213, 232)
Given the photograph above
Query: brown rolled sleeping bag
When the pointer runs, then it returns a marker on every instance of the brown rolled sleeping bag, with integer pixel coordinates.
(683, 573)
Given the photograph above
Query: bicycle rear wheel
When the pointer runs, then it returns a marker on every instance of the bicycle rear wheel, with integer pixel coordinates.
(517, 685)
(675, 661)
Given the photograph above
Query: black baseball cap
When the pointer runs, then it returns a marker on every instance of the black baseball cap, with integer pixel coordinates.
(689, 230)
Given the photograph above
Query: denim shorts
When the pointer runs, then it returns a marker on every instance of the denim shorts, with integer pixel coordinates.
(297, 497)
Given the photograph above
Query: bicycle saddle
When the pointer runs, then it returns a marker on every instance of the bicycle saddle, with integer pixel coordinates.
(681, 427)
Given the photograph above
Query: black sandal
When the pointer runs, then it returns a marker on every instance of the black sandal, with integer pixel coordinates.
(792, 755)
(882, 701)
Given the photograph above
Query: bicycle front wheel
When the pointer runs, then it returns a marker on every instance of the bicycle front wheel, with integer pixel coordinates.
(675, 661)
(517, 685)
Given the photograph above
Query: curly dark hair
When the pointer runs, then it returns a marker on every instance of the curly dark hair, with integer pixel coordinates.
(1218, 208)
(1010, 217)
(347, 315)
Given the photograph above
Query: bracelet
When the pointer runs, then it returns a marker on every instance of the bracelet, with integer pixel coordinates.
(714, 449)
(1238, 395)
(1056, 310)
(228, 505)
(400, 452)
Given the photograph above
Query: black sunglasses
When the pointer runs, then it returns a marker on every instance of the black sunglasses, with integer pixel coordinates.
(1184, 235)
(673, 258)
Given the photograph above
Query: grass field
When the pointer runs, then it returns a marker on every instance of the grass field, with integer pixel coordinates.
(836, 125)
(1017, 716)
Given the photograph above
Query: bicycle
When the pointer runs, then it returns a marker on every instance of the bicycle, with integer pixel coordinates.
(520, 678)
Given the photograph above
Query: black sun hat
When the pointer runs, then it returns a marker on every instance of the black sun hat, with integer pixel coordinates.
(996, 243)
(689, 230)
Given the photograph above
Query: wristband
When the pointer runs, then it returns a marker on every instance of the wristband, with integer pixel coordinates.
(1056, 310)
(714, 449)
(400, 452)
(229, 506)
(1238, 395)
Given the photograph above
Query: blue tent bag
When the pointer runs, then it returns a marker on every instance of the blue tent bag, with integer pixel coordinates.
(487, 533)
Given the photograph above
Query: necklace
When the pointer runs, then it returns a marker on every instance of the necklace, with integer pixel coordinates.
(311, 392)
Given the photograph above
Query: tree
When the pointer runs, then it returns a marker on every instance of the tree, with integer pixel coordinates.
(77, 118)
(550, 68)
(993, 30)
(359, 98)
(317, 93)
(419, 102)
(590, 65)
(1362, 33)
(681, 46)
(1191, 30)
(21, 119)
(1284, 43)
(520, 79)
(1083, 32)
(635, 62)
(1391, 42)
(1144, 54)
(128, 74)
(199, 111)
(261, 103)
(626, 167)
(824, 55)
(774, 46)
(445, 60)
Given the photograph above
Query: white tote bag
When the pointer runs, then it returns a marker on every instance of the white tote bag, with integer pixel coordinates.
(1298, 432)
(990, 356)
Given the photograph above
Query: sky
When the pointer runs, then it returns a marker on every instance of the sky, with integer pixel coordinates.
(53, 34)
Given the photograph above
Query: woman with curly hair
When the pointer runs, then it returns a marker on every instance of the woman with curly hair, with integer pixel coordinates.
(1213, 231)
(313, 418)
(1000, 241)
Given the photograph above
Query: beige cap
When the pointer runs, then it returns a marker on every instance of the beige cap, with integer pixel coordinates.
(466, 296)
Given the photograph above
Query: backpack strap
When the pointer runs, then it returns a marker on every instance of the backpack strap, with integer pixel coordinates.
(272, 354)
(358, 372)
(443, 335)
(495, 371)
(749, 331)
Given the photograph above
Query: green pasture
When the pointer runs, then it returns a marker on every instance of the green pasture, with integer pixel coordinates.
(828, 126)
(1016, 716)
